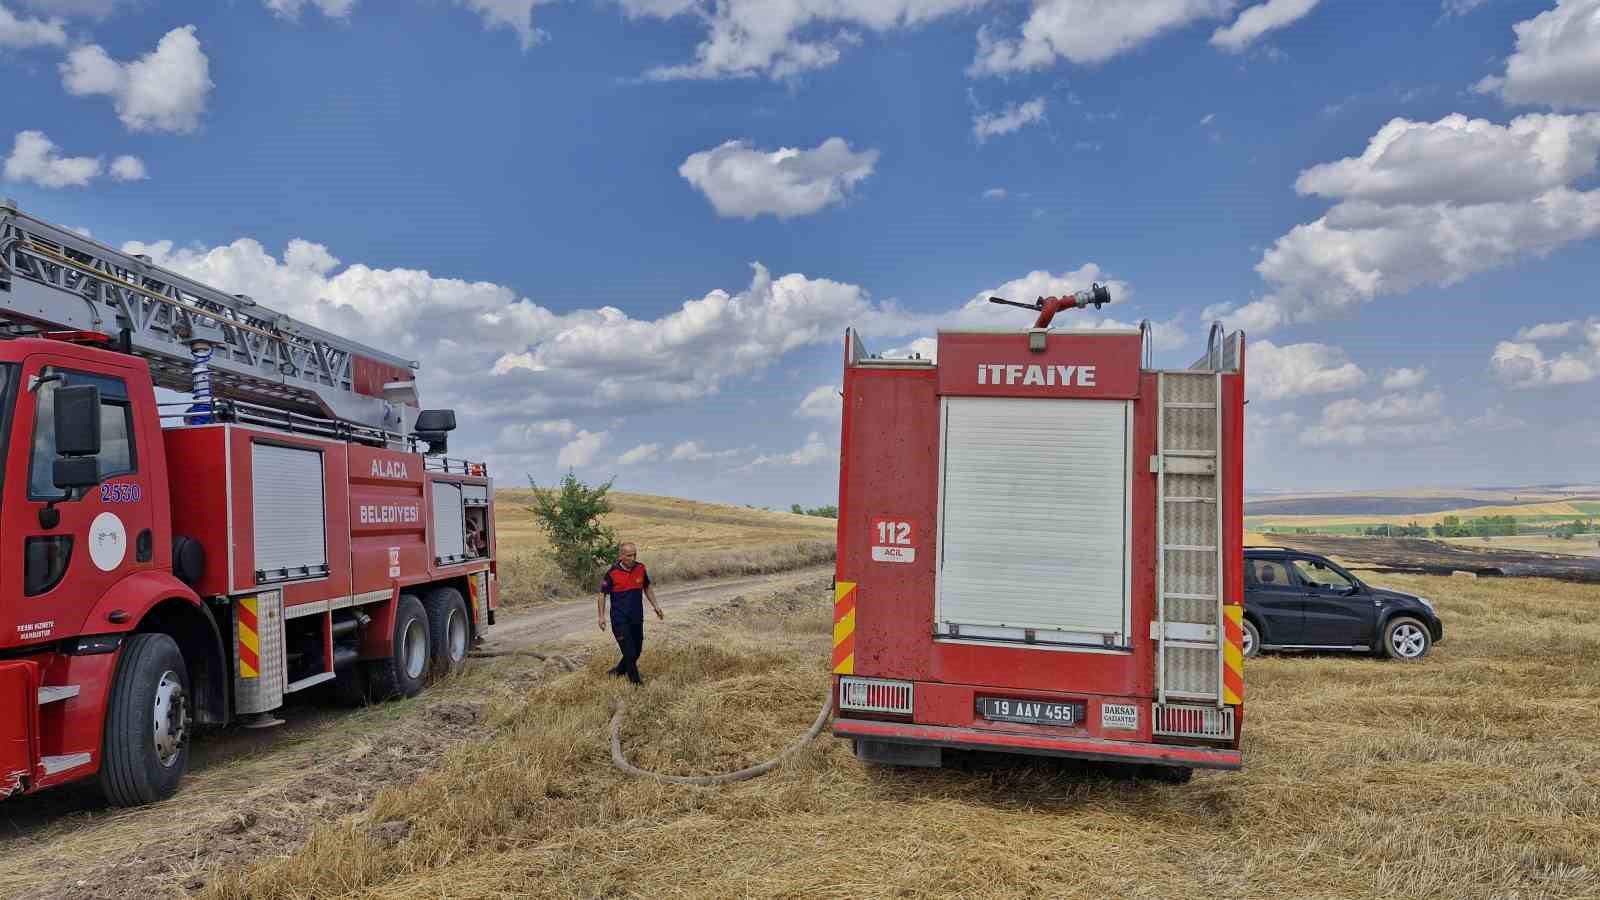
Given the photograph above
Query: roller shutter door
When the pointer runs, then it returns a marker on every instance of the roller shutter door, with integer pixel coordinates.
(290, 513)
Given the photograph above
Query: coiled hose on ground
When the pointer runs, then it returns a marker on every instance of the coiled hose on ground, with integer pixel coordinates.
(756, 771)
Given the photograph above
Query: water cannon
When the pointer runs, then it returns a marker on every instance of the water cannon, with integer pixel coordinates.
(1047, 307)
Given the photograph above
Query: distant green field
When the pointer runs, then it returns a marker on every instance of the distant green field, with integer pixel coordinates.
(1590, 507)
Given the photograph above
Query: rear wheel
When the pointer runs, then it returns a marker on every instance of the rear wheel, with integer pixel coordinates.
(402, 674)
(449, 632)
(1406, 639)
(145, 748)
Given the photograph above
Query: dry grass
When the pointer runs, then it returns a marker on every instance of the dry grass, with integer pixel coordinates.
(1472, 773)
(678, 539)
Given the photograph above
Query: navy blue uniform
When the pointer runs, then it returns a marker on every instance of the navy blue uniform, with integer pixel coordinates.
(625, 588)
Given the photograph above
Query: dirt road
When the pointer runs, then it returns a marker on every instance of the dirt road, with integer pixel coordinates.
(250, 793)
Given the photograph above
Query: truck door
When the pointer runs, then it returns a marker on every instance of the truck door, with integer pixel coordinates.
(104, 533)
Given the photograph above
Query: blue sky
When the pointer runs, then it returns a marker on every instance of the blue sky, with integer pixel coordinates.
(626, 235)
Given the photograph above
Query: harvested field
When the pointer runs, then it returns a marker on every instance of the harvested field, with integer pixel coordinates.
(678, 539)
(1473, 773)
(1418, 555)
(1551, 512)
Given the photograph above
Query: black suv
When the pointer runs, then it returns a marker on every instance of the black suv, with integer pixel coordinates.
(1295, 600)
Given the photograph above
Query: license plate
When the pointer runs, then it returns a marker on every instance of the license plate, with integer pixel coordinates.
(1032, 712)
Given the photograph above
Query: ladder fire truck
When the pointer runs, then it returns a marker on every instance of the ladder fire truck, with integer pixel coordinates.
(1040, 549)
(165, 566)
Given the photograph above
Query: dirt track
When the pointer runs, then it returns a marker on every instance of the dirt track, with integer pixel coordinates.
(254, 793)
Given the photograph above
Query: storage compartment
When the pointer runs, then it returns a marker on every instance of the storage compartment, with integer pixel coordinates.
(290, 515)
(1034, 521)
(449, 537)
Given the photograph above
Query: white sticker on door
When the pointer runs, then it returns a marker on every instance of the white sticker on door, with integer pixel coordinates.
(108, 541)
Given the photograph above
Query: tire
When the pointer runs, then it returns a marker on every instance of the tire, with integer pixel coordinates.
(145, 748)
(449, 631)
(406, 669)
(1406, 639)
(349, 688)
(1252, 640)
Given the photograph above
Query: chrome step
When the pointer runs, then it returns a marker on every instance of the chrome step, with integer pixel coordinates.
(57, 692)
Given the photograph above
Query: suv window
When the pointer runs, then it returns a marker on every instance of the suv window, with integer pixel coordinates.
(117, 453)
(1318, 574)
(1268, 573)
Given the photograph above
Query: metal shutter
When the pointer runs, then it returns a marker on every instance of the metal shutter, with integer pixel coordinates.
(449, 543)
(290, 526)
(1033, 521)
(475, 494)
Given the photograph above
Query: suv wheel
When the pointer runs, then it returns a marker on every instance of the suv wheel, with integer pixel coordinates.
(1252, 640)
(1406, 639)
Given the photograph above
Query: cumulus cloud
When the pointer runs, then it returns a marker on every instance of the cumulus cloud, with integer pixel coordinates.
(641, 454)
(1557, 59)
(750, 38)
(19, 33)
(1258, 20)
(583, 448)
(743, 182)
(128, 168)
(516, 15)
(813, 451)
(290, 9)
(1404, 379)
(823, 402)
(1013, 118)
(1086, 32)
(1429, 204)
(164, 90)
(694, 451)
(1522, 363)
(36, 159)
(1298, 370)
(1389, 419)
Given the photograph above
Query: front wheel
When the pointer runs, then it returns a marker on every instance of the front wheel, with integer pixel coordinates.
(1252, 640)
(145, 748)
(1406, 639)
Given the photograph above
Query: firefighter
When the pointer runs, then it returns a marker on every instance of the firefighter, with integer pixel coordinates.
(627, 584)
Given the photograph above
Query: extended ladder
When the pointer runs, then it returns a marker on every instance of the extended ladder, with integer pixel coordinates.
(1189, 629)
(53, 277)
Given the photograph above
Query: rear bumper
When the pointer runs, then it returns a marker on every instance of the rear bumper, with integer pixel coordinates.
(1006, 742)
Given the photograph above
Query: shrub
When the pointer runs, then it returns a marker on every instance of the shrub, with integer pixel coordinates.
(569, 514)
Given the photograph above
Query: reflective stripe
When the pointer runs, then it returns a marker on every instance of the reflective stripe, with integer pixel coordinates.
(1233, 655)
(844, 628)
(249, 644)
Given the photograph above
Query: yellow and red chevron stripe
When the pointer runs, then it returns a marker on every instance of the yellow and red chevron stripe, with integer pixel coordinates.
(249, 643)
(844, 627)
(1233, 655)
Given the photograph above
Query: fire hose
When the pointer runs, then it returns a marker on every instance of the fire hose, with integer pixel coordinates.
(756, 771)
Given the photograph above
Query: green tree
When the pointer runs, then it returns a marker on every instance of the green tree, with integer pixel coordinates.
(569, 514)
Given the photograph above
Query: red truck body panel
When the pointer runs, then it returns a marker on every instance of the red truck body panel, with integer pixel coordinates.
(890, 471)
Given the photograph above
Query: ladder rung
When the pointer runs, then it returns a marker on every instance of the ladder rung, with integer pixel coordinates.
(1198, 454)
(1192, 645)
(1191, 499)
(1191, 547)
(1174, 595)
(1175, 405)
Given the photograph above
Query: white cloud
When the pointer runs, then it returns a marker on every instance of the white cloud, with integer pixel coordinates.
(1013, 118)
(1557, 60)
(1523, 363)
(1086, 32)
(1298, 370)
(742, 182)
(164, 90)
(516, 15)
(1429, 204)
(1258, 20)
(748, 38)
(583, 448)
(18, 33)
(641, 454)
(694, 451)
(290, 9)
(35, 158)
(128, 168)
(921, 348)
(1390, 419)
(1495, 418)
(1208, 118)
(994, 194)
(823, 402)
(1459, 7)
(813, 451)
(1404, 379)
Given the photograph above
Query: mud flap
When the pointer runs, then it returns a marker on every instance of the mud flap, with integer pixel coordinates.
(19, 727)
(888, 753)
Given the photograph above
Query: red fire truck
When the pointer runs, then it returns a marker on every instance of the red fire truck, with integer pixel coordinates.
(1040, 549)
(165, 566)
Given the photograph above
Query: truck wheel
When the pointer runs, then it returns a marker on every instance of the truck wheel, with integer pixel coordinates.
(449, 631)
(402, 674)
(146, 744)
(1406, 639)
(1252, 640)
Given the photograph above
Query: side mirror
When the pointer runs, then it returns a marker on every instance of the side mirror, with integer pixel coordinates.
(75, 472)
(77, 421)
